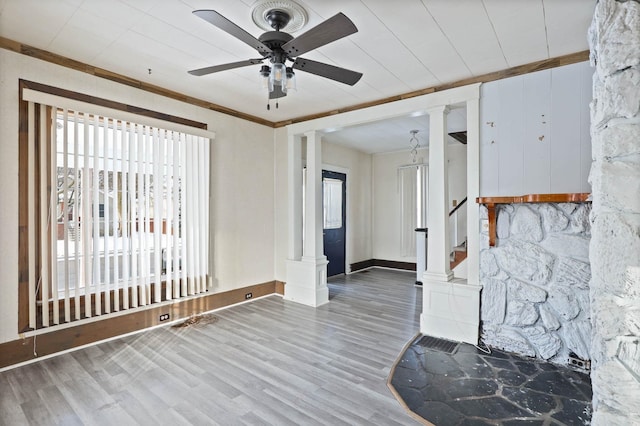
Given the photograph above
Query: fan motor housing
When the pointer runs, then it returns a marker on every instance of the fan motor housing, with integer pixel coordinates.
(274, 40)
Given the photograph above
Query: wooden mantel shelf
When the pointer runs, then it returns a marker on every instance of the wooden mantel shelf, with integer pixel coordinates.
(490, 202)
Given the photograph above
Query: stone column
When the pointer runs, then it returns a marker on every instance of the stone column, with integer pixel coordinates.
(615, 241)
(306, 276)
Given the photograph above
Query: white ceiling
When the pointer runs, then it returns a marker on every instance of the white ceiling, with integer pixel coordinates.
(401, 46)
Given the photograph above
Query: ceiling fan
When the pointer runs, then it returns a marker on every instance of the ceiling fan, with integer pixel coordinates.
(278, 47)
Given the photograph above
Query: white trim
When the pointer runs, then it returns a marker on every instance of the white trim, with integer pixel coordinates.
(417, 105)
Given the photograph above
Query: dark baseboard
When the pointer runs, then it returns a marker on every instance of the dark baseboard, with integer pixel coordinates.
(393, 264)
(280, 287)
(21, 350)
(358, 266)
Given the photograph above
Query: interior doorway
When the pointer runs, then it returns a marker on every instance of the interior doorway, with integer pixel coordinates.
(334, 200)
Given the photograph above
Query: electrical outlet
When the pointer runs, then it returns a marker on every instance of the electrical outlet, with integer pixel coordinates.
(576, 362)
(164, 317)
(248, 296)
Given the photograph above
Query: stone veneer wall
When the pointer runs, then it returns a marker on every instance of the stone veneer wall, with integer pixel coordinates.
(615, 244)
(535, 296)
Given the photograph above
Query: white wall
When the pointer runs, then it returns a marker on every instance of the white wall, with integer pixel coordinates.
(458, 189)
(387, 242)
(457, 153)
(534, 133)
(386, 196)
(357, 165)
(242, 179)
(281, 217)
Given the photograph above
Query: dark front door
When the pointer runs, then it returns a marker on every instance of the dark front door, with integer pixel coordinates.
(334, 198)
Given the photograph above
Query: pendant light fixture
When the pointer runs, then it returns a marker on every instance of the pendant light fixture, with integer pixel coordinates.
(414, 143)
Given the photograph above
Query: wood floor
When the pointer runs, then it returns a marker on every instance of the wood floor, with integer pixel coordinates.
(265, 362)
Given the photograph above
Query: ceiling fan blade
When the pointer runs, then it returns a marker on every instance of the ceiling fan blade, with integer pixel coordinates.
(330, 30)
(277, 93)
(328, 71)
(224, 67)
(224, 24)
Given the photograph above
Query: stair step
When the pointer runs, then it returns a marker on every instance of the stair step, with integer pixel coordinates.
(458, 256)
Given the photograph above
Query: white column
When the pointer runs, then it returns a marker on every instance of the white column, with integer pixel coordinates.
(306, 274)
(294, 208)
(450, 308)
(473, 191)
(313, 247)
(438, 266)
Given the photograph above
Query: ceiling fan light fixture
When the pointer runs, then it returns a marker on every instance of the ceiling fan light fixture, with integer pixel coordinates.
(265, 77)
(414, 144)
(279, 74)
(291, 80)
(278, 46)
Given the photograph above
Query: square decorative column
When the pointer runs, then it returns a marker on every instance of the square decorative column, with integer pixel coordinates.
(306, 275)
(450, 309)
(438, 215)
(473, 192)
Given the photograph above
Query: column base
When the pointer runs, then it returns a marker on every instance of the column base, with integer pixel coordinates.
(451, 310)
(307, 282)
(437, 276)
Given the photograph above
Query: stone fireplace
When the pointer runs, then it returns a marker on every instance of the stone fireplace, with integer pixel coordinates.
(535, 298)
(553, 285)
(615, 244)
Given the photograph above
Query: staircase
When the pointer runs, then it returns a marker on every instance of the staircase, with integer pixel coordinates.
(458, 254)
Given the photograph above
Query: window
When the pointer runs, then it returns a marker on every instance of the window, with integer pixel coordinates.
(117, 212)
(332, 203)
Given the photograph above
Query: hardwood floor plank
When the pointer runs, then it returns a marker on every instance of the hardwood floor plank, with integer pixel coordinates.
(58, 407)
(10, 408)
(310, 406)
(147, 402)
(140, 412)
(268, 362)
(35, 411)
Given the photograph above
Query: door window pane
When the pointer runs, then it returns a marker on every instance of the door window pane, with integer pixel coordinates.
(332, 202)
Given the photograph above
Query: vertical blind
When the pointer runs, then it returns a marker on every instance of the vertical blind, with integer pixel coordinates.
(121, 217)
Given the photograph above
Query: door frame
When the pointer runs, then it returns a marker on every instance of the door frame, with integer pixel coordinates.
(347, 234)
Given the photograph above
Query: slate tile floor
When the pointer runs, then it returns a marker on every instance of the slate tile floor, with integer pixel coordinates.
(472, 388)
